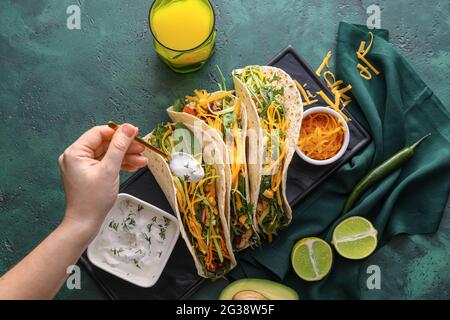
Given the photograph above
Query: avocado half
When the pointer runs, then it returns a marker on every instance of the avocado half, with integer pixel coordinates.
(257, 289)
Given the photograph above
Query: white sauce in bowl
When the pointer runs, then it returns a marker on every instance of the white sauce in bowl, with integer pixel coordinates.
(135, 241)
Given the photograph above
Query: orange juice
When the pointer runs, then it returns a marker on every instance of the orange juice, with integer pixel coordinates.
(183, 31)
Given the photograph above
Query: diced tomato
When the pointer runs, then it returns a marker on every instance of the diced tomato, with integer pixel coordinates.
(186, 109)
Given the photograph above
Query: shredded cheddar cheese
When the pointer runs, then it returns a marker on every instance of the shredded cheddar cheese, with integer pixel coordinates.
(321, 136)
(371, 67)
(340, 96)
(325, 63)
(343, 91)
(305, 94)
(361, 54)
(199, 198)
(334, 105)
(222, 111)
(362, 46)
(364, 71)
(202, 98)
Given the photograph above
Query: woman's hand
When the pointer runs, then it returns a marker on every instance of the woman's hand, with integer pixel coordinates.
(90, 170)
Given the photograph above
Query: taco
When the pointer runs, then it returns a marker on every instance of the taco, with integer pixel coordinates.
(274, 113)
(198, 203)
(224, 117)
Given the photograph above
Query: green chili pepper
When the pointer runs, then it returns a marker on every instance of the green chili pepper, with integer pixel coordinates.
(379, 173)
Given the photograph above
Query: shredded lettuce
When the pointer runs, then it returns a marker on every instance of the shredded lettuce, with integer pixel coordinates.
(179, 104)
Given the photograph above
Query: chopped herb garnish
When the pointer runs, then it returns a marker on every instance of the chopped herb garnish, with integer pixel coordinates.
(159, 253)
(162, 233)
(140, 207)
(113, 225)
(136, 263)
(223, 85)
(130, 220)
(166, 222)
(148, 239)
(154, 219)
(149, 227)
(116, 252)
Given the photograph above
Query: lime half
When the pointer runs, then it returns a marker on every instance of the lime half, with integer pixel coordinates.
(311, 259)
(355, 238)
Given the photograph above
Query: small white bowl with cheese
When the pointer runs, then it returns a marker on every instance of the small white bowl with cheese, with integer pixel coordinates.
(135, 241)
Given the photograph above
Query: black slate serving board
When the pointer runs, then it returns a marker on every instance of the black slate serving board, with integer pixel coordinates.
(179, 279)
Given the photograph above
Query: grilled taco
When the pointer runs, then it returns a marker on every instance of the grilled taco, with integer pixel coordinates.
(274, 113)
(224, 117)
(198, 203)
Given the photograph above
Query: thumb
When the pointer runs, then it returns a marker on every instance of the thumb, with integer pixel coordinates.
(118, 147)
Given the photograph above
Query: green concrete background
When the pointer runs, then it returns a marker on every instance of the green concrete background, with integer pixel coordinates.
(55, 83)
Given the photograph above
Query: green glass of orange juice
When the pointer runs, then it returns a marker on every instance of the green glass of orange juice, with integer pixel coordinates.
(183, 32)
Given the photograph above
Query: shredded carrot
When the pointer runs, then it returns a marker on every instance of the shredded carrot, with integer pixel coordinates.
(279, 198)
(216, 96)
(238, 204)
(189, 197)
(202, 182)
(235, 174)
(163, 139)
(237, 108)
(181, 202)
(274, 126)
(277, 181)
(321, 136)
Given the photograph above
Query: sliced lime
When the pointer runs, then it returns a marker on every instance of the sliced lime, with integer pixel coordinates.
(355, 238)
(311, 258)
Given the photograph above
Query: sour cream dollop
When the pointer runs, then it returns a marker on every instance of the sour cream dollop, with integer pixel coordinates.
(184, 165)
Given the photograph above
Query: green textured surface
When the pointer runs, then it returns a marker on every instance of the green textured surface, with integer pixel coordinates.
(55, 83)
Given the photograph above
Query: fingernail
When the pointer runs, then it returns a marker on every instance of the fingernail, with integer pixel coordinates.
(128, 130)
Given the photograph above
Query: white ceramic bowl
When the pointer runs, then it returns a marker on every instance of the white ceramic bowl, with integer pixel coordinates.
(149, 273)
(344, 144)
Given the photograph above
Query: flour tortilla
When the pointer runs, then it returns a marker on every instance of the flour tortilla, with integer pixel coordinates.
(294, 110)
(193, 121)
(161, 171)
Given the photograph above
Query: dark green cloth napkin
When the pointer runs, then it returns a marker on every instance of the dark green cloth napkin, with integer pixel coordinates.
(397, 108)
